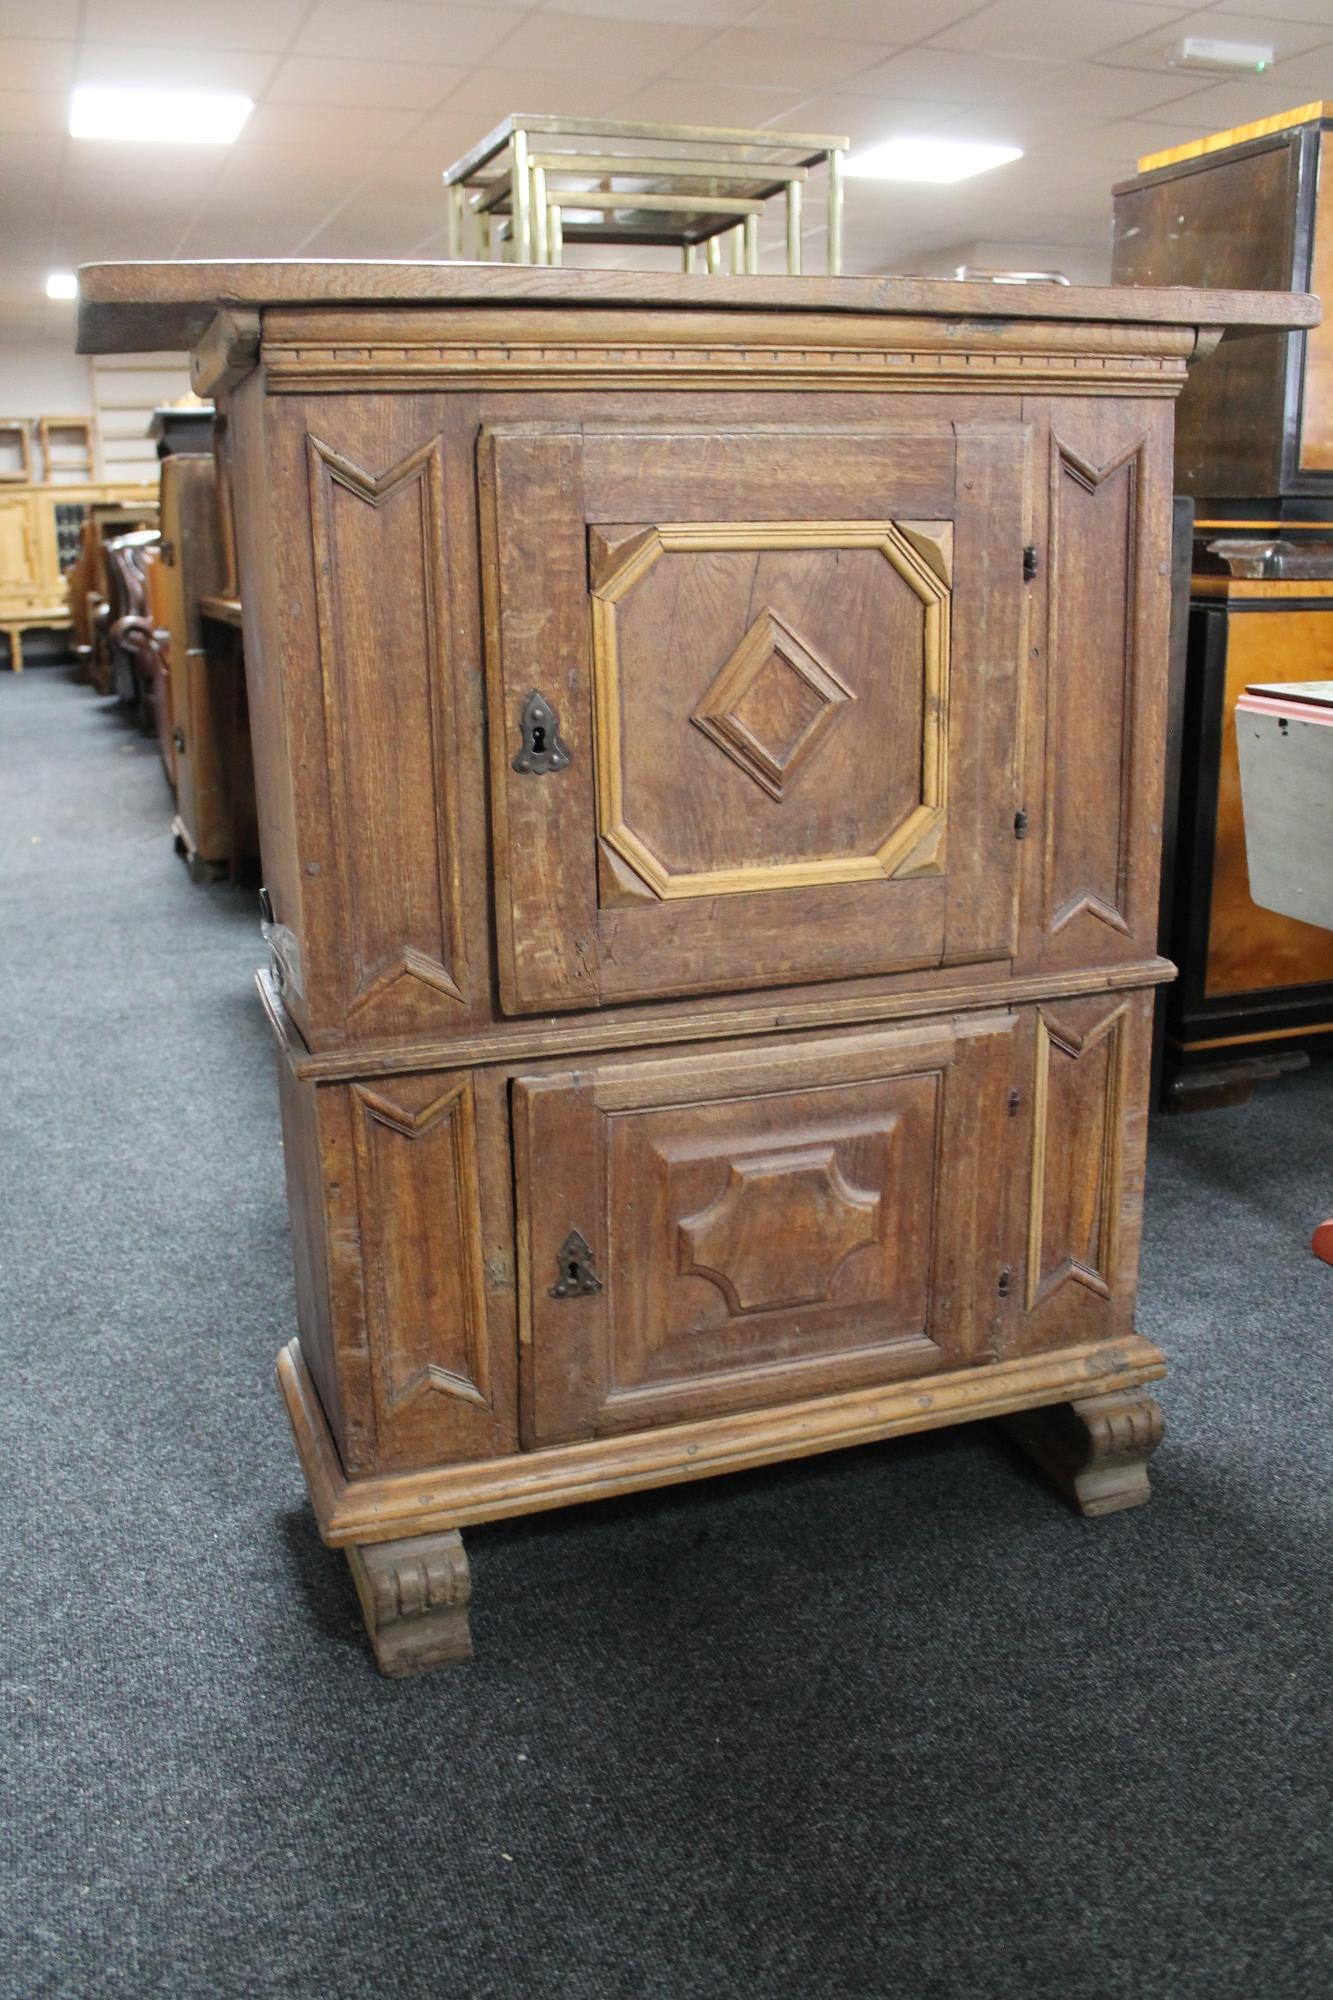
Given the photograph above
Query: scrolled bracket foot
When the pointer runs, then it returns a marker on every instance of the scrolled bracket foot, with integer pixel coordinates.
(414, 1598)
(1095, 1451)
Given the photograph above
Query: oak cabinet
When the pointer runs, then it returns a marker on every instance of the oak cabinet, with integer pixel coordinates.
(709, 755)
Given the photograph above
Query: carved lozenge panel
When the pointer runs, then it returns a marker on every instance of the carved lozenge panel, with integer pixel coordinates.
(755, 1233)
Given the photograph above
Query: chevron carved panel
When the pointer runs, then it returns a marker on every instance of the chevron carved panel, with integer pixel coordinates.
(380, 598)
(1077, 1142)
(421, 1234)
(1093, 602)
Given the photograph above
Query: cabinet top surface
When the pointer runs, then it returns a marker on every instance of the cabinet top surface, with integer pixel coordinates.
(132, 308)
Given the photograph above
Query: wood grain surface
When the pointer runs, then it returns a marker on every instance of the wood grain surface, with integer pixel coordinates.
(130, 308)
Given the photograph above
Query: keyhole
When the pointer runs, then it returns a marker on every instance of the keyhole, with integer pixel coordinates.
(538, 738)
(573, 1273)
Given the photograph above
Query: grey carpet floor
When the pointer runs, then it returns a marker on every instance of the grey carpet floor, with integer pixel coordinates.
(887, 1723)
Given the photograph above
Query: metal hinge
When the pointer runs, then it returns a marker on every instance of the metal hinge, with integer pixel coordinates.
(1020, 825)
(1029, 562)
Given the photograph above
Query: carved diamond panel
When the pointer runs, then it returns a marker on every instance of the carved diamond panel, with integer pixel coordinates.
(770, 704)
(832, 616)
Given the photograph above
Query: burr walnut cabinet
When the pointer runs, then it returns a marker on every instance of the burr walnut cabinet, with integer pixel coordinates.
(708, 737)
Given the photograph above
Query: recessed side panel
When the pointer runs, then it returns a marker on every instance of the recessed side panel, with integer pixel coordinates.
(436, 1347)
(1097, 671)
(377, 525)
(1087, 1126)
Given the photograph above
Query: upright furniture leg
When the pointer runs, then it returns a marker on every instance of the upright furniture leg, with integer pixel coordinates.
(1096, 1450)
(414, 1598)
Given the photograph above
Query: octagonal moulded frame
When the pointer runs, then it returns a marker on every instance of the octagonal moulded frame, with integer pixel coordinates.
(927, 578)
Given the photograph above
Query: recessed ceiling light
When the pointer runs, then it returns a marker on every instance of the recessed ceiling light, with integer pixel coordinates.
(178, 117)
(62, 285)
(929, 160)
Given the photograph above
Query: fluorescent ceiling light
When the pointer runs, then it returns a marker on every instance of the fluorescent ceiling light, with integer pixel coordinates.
(929, 160)
(180, 117)
(62, 285)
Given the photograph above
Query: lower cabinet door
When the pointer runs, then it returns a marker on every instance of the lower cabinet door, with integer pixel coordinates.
(707, 1233)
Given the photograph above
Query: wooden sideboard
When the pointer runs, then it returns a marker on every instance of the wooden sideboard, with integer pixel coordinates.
(40, 530)
(709, 753)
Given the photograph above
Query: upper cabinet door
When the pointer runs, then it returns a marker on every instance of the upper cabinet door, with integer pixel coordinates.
(753, 702)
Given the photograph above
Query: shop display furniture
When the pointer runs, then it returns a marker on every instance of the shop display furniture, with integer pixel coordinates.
(536, 182)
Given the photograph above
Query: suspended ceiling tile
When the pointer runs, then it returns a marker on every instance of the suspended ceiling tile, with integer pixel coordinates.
(26, 65)
(58, 19)
(121, 66)
(889, 23)
(1315, 11)
(1086, 92)
(1225, 104)
(868, 119)
(384, 86)
(562, 42)
(491, 93)
(400, 31)
(688, 13)
(1054, 27)
(1150, 49)
(195, 24)
(335, 131)
(33, 110)
(780, 60)
(953, 76)
(712, 102)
